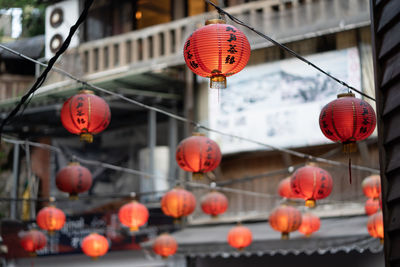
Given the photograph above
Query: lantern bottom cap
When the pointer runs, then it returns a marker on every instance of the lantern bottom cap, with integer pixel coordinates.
(285, 236)
(218, 82)
(310, 203)
(73, 196)
(133, 228)
(349, 147)
(197, 176)
(86, 137)
(381, 240)
(32, 254)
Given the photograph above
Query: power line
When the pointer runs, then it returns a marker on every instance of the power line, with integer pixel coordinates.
(287, 49)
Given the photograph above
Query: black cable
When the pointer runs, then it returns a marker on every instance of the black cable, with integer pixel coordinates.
(40, 80)
(287, 49)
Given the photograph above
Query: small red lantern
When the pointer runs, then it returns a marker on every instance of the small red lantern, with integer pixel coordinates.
(94, 245)
(311, 183)
(309, 224)
(347, 120)
(165, 245)
(133, 215)
(371, 206)
(198, 154)
(32, 241)
(240, 237)
(214, 203)
(85, 114)
(74, 179)
(50, 219)
(178, 202)
(375, 225)
(285, 219)
(371, 186)
(285, 189)
(216, 51)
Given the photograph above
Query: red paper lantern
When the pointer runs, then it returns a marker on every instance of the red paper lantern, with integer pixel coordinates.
(285, 219)
(214, 203)
(85, 114)
(311, 183)
(375, 225)
(240, 237)
(216, 51)
(371, 186)
(309, 224)
(285, 189)
(198, 154)
(50, 219)
(94, 245)
(74, 179)
(33, 240)
(133, 215)
(371, 206)
(347, 120)
(178, 203)
(165, 245)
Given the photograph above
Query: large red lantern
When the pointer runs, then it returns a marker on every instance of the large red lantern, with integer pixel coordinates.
(178, 202)
(347, 120)
(309, 224)
(240, 237)
(85, 114)
(375, 225)
(285, 219)
(214, 203)
(133, 215)
(216, 51)
(50, 219)
(32, 241)
(74, 179)
(95, 245)
(371, 206)
(371, 186)
(285, 189)
(198, 154)
(311, 183)
(165, 245)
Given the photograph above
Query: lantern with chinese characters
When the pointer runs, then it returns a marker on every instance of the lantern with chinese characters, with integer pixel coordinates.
(32, 241)
(285, 219)
(50, 219)
(74, 179)
(371, 206)
(371, 186)
(214, 203)
(133, 215)
(375, 225)
(347, 120)
(311, 183)
(165, 245)
(216, 51)
(240, 237)
(95, 245)
(309, 224)
(285, 189)
(85, 114)
(198, 154)
(178, 202)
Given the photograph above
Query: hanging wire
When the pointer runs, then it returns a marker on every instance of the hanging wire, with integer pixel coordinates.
(287, 49)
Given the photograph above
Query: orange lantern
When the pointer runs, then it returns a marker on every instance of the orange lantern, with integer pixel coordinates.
(214, 203)
(285, 219)
(371, 206)
(178, 202)
(85, 114)
(216, 51)
(133, 215)
(311, 183)
(50, 219)
(371, 186)
(165, 245)
(375, 225)
(198, 154)
(94, 245)
(32, 241)
(309, 224)
(240, 237)
(285, 189)
(74, 179)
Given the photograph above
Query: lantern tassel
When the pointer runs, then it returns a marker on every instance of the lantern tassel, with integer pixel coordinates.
(349, 167)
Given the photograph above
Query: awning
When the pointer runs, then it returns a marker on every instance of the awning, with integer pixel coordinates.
(336, 234)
